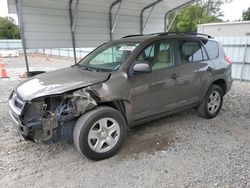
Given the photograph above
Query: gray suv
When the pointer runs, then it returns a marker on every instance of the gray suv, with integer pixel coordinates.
(120, 84)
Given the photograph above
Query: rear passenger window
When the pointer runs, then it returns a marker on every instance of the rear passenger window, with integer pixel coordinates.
(191, 51)
(212, 48)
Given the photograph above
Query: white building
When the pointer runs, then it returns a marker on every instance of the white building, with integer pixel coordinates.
(226, 29)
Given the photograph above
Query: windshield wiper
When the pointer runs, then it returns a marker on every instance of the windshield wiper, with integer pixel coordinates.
(83, 67)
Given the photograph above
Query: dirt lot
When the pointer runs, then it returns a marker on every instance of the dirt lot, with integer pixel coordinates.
(183, 150)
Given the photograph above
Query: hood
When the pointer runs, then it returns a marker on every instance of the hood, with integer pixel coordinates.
(59, 81)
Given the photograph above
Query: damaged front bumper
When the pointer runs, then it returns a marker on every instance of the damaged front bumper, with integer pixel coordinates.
(51, 118)
(17, 105)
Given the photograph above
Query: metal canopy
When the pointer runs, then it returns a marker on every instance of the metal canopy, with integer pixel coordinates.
(46, 23)
(88, 23)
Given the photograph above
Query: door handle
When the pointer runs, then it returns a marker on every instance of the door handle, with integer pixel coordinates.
(210, 69)
(174, 76)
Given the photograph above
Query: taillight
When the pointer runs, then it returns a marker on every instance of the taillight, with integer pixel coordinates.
(228, 59)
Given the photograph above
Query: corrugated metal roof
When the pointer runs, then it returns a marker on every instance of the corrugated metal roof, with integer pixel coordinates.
(46, 23)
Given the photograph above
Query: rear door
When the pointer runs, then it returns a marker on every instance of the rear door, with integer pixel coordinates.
(194, 69)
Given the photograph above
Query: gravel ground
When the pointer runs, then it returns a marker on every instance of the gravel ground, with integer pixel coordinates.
(182, 150)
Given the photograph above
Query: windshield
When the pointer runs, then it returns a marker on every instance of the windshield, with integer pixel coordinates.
(108, 57)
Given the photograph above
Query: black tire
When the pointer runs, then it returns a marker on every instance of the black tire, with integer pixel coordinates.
(203, 110)
(86, 122)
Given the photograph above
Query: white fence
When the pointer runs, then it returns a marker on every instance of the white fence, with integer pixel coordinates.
(238, 48)
(64, 52)
(10, 44)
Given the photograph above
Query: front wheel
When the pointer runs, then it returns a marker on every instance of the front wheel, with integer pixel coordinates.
(211, 103)
(98, 134)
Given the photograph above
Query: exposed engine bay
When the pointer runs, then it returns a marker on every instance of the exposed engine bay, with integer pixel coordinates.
(52, 118)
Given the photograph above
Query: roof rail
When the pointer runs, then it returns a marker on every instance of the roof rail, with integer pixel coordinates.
(185, 33)
(203, 34)
(127, 36)
(140, 35)
(171, 33)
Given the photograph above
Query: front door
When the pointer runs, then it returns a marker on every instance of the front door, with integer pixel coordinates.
(155, 92)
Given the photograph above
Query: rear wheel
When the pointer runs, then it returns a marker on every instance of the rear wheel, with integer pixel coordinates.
(98, 134)
(212, 102)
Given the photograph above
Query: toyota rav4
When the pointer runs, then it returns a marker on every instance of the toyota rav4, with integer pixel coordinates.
(120, 84)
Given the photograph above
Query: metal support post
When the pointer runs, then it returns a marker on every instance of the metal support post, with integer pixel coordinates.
(141, 15)
(73, 24)
(111, 24)
(20, 20)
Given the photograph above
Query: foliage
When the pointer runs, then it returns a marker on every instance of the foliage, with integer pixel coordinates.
(206, 11)
(212, 7)
(8, 28)
(246, 14)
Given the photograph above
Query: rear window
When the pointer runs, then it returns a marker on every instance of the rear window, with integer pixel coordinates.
(212, 48)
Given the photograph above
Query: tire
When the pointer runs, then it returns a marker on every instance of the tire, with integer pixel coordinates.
(96, 139)
(209, 109)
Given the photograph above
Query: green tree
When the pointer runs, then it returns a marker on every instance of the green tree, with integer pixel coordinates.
(246, 14)
(206, 11)
(212, 7)
(8, 28)
(188, 19)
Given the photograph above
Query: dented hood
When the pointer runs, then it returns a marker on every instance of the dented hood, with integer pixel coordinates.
(59, 81)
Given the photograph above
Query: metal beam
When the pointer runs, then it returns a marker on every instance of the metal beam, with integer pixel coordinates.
(175, 16)
(111, 24)
(143, 10)
(20, 20)
(173, 10)
(75, 15)
(116, 17)
(72, 19)
(145, 24)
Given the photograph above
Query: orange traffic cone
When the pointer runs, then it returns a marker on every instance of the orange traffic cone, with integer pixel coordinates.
(3, 71)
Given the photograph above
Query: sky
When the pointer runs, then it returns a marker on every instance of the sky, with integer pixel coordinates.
(232, 11)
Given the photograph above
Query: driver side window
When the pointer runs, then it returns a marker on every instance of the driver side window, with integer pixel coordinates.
(159, 55)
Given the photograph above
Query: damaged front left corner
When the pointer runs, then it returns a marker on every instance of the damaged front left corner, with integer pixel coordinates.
(83, 101)
(55, 115)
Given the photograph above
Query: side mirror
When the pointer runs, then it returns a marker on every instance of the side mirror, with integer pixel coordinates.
(141, 68)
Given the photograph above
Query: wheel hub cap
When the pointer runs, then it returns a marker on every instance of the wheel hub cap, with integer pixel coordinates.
(214, 101)
(104, 135)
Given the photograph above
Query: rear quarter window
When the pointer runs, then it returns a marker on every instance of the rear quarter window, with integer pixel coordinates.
(212, 49)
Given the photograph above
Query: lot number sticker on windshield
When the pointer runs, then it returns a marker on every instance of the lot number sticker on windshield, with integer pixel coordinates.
(127, 48)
